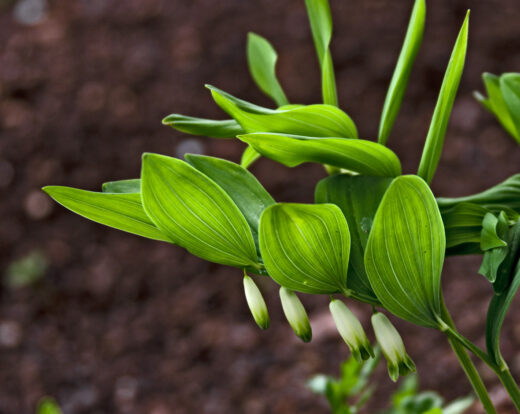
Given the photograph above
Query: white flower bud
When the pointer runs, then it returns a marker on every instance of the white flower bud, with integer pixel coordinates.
(398, 361)
(351, 330)
(296, 314)
(256, 303)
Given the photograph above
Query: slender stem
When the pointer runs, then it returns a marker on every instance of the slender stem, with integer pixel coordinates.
(510, 385)
(467, 365)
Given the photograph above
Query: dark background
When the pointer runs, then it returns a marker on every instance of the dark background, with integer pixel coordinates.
(120, 324)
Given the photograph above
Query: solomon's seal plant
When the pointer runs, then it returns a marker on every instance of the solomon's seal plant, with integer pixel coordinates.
(373, 235)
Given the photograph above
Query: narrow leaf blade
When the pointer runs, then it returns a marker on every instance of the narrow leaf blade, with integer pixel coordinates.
(397, 88)
(510, 88)
(228, 128)
(441, 115)
(122, 186)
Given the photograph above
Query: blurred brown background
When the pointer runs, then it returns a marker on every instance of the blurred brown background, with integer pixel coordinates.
(110, 323)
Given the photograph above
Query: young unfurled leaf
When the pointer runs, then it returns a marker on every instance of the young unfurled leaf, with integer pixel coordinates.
(311, 120)
(320, 20)
(358, 198)
(249, 156)
(228, 128)
(306, 247)
(510, 88)
(120, 211)
(122, 186)
(499, 306)
(195, 212)
(245, 190)
(405, 252)
(362, 156)
(262, 58)
(496, 105)
(506, 266)
(493, 231)
(435, 139)
(503, 196)
(397, 88)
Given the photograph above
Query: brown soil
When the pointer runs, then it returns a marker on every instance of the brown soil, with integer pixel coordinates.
(121, 324)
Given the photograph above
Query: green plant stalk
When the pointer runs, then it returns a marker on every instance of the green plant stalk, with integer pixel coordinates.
(467, 365)
(510, 385)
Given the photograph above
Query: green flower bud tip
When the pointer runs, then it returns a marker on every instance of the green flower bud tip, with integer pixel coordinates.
(295, 314)
(351, 331)
(256, 303)
(398, 361)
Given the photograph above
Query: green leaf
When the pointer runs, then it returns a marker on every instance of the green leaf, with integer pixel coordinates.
(195, 212)
(320, 20)
(493, 230)
(48, 405)
(362, 156)
(397, 88)
(503, 273)
(312, 120)
(405, 252)
(228, 128)
(245, 190)
(435, 139)
(495, 103)
(306, 247)
(122, 186)
(510, 88)
(262, 58)
(358, 198)
(249, 156)
(120, 211)
(503, 196)
(499, 306)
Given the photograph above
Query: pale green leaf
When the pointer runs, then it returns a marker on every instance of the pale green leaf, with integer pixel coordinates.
(245, 190)
(510, 88)
(358, 198)
(405, 252)
(120, 211)
(439, 124)
(48, 405)
(122, 186)
(195, 212)
(362, 156)
(312, 120)
(306, 247)
(320, 20)
(228, 128)
(397, 88)
(262, 58)
(249, 156)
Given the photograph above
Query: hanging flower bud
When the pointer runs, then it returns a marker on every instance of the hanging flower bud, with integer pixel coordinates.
(398, 361)
(295, 314)
(256, 303)
(351, 330)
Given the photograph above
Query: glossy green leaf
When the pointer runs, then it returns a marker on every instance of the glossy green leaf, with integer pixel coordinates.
(245, 190)
(506, 266)
(493, 230)
(495, 103)
(441, 115)
(503, 196)
(228, 128)
(120, 211)
(195, 212)
(362, 156)
(320, 20)
(249, 156)
(122, 186)
(312, 120)
(499, 306)
(510, 88)
(397, 88)
(358, 198)
(405, 252)
(306, 247)
(262, 58)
